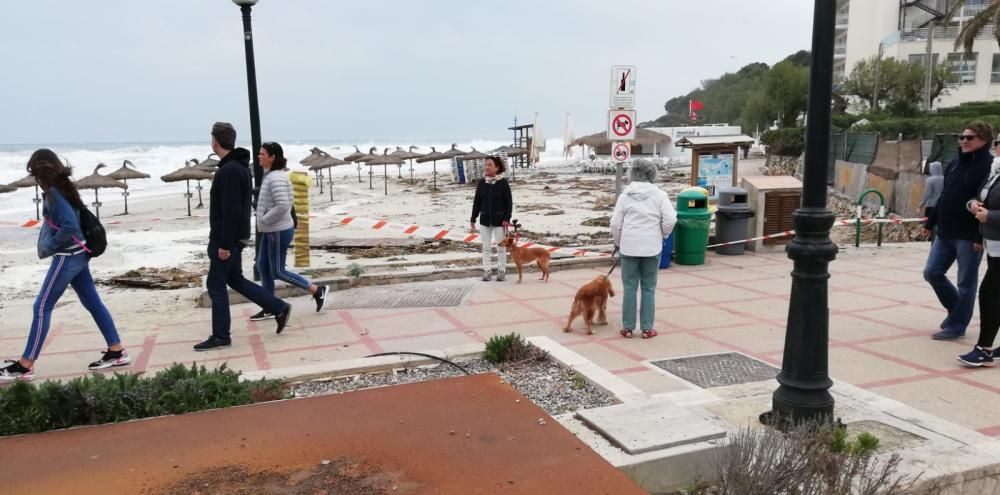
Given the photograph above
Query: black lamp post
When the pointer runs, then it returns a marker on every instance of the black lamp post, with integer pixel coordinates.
(803, 393)
(258, 172)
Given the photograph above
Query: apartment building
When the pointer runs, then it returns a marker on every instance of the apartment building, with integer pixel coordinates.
(900, 29)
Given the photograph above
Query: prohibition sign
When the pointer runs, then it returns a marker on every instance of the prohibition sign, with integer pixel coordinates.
(621, 152)
(621, 125)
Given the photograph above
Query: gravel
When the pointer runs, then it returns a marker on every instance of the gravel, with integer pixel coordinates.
(553, 388)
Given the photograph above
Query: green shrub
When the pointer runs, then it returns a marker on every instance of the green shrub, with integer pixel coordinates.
(924, 127)
(510, 348)
(789, 141)
(355, 270)
(98, 399)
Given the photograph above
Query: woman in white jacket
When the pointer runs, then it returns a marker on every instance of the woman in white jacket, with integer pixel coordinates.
(643, 217)
(277, 228)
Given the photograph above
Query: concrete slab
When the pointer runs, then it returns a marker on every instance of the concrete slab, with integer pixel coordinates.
(652, 424)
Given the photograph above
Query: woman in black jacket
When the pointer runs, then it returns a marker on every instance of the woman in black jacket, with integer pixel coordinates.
(986, 208)
(493, 207)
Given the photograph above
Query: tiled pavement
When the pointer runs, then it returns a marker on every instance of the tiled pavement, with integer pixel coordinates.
(882, 313)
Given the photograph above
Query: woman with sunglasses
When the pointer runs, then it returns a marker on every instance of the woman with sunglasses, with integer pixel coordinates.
(956, 233)
(277, 228)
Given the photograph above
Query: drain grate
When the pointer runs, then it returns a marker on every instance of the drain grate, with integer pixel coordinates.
(718, 370)
(428, 295)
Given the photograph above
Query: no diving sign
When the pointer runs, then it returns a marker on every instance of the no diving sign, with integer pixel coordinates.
(621, 125)
(621, 152)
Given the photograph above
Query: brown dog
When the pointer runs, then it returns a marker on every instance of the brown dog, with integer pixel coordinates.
(591, 299)
(524, 255)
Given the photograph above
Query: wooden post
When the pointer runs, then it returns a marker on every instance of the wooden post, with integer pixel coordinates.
(300, 198)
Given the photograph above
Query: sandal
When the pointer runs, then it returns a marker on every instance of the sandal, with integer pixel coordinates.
(626, 333)
(648, 334)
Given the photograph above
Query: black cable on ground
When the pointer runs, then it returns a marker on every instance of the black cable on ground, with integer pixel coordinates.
(443, 360)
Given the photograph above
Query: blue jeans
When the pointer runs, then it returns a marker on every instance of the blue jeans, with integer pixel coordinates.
(230, 273)
(271, 261)
(63, 272)
(639, 272)
(958, 301)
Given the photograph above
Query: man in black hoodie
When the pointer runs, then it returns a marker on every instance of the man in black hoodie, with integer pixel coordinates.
(957, 236)
(229, 230)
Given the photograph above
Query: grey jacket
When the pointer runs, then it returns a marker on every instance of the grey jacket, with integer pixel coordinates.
(991, 229)
(933, 186)
(274, 206)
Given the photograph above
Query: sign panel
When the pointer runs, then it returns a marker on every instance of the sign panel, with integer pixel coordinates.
(621, 152)
(621, 125)
(623, 86)
(715, 170)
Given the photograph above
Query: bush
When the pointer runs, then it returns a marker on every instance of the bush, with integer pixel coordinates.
(97, 399)
(355, 270)
(809, 460)
(924, 127)
(511, 348)
(785, 142)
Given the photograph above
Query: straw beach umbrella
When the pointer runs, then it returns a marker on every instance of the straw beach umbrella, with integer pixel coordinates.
(353, 157)
(97, 181)
(433, 156)
(7, 189)
(385, 160)
(29, 181)
(314, 155)
(209, 164)
(406, 155)
(124, 174)
(367, 159)
(325, 161)
(188, 173)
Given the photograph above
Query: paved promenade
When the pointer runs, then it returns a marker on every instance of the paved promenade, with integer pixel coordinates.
(882, 315)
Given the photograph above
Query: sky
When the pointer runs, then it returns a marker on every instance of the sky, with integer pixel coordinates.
(122, 71)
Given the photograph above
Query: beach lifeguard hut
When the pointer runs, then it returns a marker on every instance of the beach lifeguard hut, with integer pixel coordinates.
(523, 138)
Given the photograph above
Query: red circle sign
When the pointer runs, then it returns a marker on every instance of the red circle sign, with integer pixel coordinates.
(621, 125)
(621, 152)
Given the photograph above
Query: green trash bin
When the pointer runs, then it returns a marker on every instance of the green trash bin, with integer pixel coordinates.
(691, 232)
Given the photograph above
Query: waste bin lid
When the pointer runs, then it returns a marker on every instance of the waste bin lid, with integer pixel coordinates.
(732, 195)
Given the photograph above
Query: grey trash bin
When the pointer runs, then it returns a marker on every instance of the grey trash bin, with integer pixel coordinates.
(731, 219)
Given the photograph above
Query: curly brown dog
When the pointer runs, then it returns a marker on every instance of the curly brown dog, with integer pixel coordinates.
(590, 300)
(524, 255)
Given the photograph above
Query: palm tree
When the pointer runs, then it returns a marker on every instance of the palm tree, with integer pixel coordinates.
(989, 16)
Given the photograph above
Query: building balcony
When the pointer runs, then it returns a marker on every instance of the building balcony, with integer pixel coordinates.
(842, 21)
(943, 34)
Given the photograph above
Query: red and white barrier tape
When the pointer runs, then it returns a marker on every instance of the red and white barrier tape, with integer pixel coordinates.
(452, 235)
(839, 223)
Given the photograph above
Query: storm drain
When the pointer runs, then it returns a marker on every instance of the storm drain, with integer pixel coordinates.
(430, 295)
(718, 370)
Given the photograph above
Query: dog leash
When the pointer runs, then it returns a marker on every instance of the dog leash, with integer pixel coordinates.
(617, 260)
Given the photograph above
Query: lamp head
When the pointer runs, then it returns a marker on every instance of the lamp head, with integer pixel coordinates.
(249, 3)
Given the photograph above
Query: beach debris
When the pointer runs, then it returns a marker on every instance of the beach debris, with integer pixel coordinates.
(157, 278)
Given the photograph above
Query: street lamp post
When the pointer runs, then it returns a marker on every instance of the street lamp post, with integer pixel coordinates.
(258, 172)
(804, 381)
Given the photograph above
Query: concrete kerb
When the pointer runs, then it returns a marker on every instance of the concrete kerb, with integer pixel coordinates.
(344, 283)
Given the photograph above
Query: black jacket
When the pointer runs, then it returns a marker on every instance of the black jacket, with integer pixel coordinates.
(230, 196)
(962, 180)
(493, 204)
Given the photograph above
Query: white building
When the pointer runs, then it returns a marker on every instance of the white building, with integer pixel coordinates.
(899, 28)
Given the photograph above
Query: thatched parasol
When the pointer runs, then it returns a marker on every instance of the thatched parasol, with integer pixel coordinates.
(188, 173)
(325, 161)
(7, 189)
(643, 137)
(405, 155)
(433, 156)
(353, 157)
(29, 181)
(453, 153)
(367, 159)
(473, 169)
(124, 174)
(475, 155)
(385, 160)
(97, 181)
(209, 164)
(314, 154)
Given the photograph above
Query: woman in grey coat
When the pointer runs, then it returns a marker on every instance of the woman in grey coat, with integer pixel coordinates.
(986, 207)
(277, 228)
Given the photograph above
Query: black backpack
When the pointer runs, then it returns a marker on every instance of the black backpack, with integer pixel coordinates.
(93, 233)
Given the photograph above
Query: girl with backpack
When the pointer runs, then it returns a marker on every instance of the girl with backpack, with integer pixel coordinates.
(61, 238)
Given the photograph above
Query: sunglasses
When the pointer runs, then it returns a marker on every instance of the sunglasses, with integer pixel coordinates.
(996, 143)
(967, 137)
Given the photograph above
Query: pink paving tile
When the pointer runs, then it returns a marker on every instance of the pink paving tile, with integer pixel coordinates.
(757, 338)
(704, 317)
(737, 274)
(669, 279)
(919, 352)
(857, 367)
(840, 300)
(893, 275)
(653, 382)
(854, 329)
(428, 343)
(775, 286)
(948, 399)
(911, 317)
(423, 322)
(327, 354)
(717, 293)
(604, 356)
(772, 308)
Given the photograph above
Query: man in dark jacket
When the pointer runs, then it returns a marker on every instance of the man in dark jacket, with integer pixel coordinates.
(229, 230)
(957, 236)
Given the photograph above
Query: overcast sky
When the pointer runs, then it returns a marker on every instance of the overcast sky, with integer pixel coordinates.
(115, 71)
